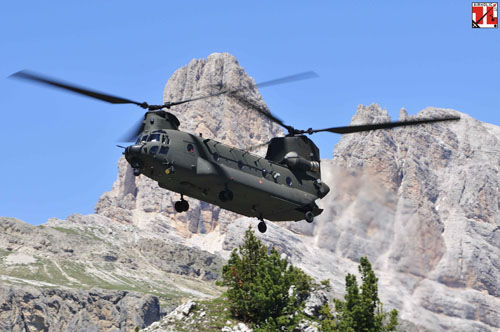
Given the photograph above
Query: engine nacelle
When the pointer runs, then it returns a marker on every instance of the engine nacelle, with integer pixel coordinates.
(295, 162)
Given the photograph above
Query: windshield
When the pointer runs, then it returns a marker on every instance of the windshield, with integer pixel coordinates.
(142, 139)
(154, 138)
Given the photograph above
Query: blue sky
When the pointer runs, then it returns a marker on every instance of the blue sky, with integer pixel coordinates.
(59, 153)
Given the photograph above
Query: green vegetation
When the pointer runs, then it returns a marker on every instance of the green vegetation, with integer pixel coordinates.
(86, 233)
(263, 288)
(215, 313)
(360, 311)
(4, 253)
(269, 293)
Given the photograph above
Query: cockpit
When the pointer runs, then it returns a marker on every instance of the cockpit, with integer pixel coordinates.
(159, 136)
(155, 136)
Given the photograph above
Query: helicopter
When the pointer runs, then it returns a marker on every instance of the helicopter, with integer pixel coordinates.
(282, 186)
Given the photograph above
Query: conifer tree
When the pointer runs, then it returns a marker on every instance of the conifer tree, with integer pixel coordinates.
(363, 311)
(262, 287)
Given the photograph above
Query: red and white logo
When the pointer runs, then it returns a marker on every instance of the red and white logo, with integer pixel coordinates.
(485, 14)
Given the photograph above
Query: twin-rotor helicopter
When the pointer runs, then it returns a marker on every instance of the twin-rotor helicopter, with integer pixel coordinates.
(282, 186)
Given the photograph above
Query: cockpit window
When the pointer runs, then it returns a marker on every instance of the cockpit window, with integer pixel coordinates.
(142, 139)
(165, 139)
(154, 138)
(153, 150)
(164, 150)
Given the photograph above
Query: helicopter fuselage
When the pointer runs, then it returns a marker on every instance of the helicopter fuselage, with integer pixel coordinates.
(225, 176)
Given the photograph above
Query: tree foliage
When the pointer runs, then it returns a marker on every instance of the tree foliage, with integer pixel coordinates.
(361, 310)
(262, 287)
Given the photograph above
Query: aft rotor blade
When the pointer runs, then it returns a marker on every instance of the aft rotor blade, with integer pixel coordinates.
(132, 134)
(376, 126)
(261, 110)
(26, 75)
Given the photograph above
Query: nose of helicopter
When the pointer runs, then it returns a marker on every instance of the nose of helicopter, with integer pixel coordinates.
(133, 150)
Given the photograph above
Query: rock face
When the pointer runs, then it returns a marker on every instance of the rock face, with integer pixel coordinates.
(422, 204)
(89, 273)
(29, 308)
(139, 200)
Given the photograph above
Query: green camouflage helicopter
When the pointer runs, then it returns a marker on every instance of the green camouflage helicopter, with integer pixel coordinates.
(282, 186)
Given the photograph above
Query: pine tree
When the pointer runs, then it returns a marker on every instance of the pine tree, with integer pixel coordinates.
(363, 311)
(263, 288)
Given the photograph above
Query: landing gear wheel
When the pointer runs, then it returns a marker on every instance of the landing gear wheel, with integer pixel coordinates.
(262, 227)
(181, 206)
(178, 206)
(226, 195)
(309, 216)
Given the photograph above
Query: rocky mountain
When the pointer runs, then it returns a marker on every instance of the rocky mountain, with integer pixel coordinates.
(89, 273)
(31, 308)
(422, 203)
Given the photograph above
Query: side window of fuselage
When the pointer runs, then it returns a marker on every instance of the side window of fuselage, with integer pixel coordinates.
(153, 150)
(164, 150)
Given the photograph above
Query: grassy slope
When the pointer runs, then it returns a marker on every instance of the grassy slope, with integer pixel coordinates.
(52, 271)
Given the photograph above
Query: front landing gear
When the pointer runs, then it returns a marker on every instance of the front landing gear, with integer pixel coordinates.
(309, 216)
(182, 205)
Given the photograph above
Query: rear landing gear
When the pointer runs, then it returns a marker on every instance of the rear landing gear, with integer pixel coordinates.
(309, 216)
(182, 205)
(262, 227)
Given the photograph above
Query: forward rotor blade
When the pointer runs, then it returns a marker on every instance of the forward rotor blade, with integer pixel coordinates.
(132, 134)
(376, 126)
(26, 75)
(168, 104)
(282, 80)
(287, 79)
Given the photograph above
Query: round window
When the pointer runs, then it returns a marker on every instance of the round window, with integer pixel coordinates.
(190, 148)
(289, 181)
(264, 172)
(216, 156)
